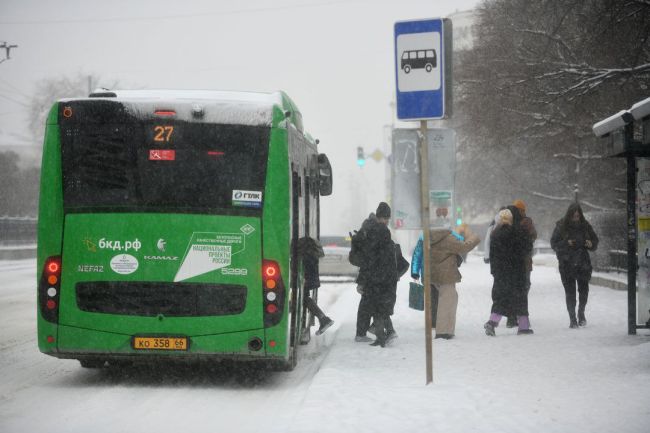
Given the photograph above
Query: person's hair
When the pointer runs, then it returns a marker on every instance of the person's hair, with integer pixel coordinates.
(516, 215)
(566, 220)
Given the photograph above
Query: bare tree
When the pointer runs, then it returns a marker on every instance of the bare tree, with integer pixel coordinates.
(537, 77)
(49, 91)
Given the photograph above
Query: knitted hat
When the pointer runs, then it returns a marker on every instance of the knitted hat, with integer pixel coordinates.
(519, 204)
(383, 210)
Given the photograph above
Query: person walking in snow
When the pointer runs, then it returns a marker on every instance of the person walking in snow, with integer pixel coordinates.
(527, 225)
(377, 279)
(508, 248)
(310, 250)
(446, 246)
(572, 240)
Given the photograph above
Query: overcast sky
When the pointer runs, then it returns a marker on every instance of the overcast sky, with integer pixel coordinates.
(334, 58)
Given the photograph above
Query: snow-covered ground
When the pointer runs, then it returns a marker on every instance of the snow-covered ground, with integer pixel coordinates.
(595, 379)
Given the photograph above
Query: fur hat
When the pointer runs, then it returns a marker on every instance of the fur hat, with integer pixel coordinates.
(505, 217)
(519, 204)
(383, 210)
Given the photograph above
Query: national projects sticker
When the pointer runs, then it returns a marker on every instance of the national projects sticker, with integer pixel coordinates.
(246, 198)
(124, 264)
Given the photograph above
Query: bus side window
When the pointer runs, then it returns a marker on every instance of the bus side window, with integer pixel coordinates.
(412, 54)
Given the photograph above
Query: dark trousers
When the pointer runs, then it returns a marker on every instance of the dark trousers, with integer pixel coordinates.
(434, 305)
(365, 314)
(313, 307)
(569, 282)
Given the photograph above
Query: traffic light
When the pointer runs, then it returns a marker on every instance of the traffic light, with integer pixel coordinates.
(459, 216)
(361, 157)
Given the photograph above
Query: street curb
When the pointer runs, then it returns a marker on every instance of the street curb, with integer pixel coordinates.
(607, 282)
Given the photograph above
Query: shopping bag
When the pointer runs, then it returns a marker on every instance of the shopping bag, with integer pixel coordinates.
(416, 296)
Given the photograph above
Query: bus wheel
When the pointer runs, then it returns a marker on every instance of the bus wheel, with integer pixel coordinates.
(407, 69)
(92, 363)
(428, 67)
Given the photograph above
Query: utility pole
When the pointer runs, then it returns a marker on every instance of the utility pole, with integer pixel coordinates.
(7, 47)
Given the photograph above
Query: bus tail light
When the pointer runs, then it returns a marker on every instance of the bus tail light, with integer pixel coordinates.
(273, 291)
(49, 289)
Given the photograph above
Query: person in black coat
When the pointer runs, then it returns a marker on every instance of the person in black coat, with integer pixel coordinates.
(572, 240)
(310, 250)
(508, 248)
(377, 278)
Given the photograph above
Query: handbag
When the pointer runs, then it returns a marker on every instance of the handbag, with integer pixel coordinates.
(416, 296)
(402, 263)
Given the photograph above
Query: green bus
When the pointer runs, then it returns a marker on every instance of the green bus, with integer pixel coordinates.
(168, 224)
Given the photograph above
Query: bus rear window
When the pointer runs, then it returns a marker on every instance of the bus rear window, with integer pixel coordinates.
(162, 165)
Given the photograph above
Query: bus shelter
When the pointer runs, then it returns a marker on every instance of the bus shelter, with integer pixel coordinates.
(628, 135)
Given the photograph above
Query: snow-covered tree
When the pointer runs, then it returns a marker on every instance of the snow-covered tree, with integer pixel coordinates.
(537, 77)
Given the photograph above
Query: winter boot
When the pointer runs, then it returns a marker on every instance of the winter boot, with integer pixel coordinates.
(582, 321)
(390, 337)
(573, 322)
(512, 322)
(324, 324)
(378, 342)
(489, 328)
(362, 339)
(524, 325)
(372, 329)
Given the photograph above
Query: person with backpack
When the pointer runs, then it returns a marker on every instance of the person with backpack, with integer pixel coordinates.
(374, 252)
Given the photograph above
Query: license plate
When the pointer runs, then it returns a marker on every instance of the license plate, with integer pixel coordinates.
(160, 343)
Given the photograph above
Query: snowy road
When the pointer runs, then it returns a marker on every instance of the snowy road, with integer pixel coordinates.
(595, 379)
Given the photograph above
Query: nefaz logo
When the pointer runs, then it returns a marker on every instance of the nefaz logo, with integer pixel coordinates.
(246, 198)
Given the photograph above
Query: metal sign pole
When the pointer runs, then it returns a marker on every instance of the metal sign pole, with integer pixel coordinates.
(426, 244)
(631, 233)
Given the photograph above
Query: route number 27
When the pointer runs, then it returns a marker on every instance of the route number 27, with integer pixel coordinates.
(163, 133)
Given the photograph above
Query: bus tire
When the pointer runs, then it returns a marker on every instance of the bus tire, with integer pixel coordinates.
(428, 67)
(407, 69)
(92, 363)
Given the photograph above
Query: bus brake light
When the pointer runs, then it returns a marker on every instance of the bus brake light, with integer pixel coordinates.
(270, 270)
(49, 289)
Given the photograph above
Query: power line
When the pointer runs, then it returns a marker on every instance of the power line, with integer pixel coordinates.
(14, 100)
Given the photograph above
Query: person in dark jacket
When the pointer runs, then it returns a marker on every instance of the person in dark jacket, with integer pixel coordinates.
(377, 278)
(508, 248)
(572, 240)
(310, 250)
(527, 225)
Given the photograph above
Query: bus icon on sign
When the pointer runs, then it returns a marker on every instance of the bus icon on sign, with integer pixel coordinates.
(419, 59)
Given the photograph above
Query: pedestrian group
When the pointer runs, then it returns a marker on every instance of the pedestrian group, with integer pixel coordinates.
(508, 249)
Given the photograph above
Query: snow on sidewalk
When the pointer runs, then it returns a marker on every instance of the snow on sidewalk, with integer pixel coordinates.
(594, 379)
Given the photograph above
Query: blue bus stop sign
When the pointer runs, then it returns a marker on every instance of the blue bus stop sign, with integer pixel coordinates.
(422, 69)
